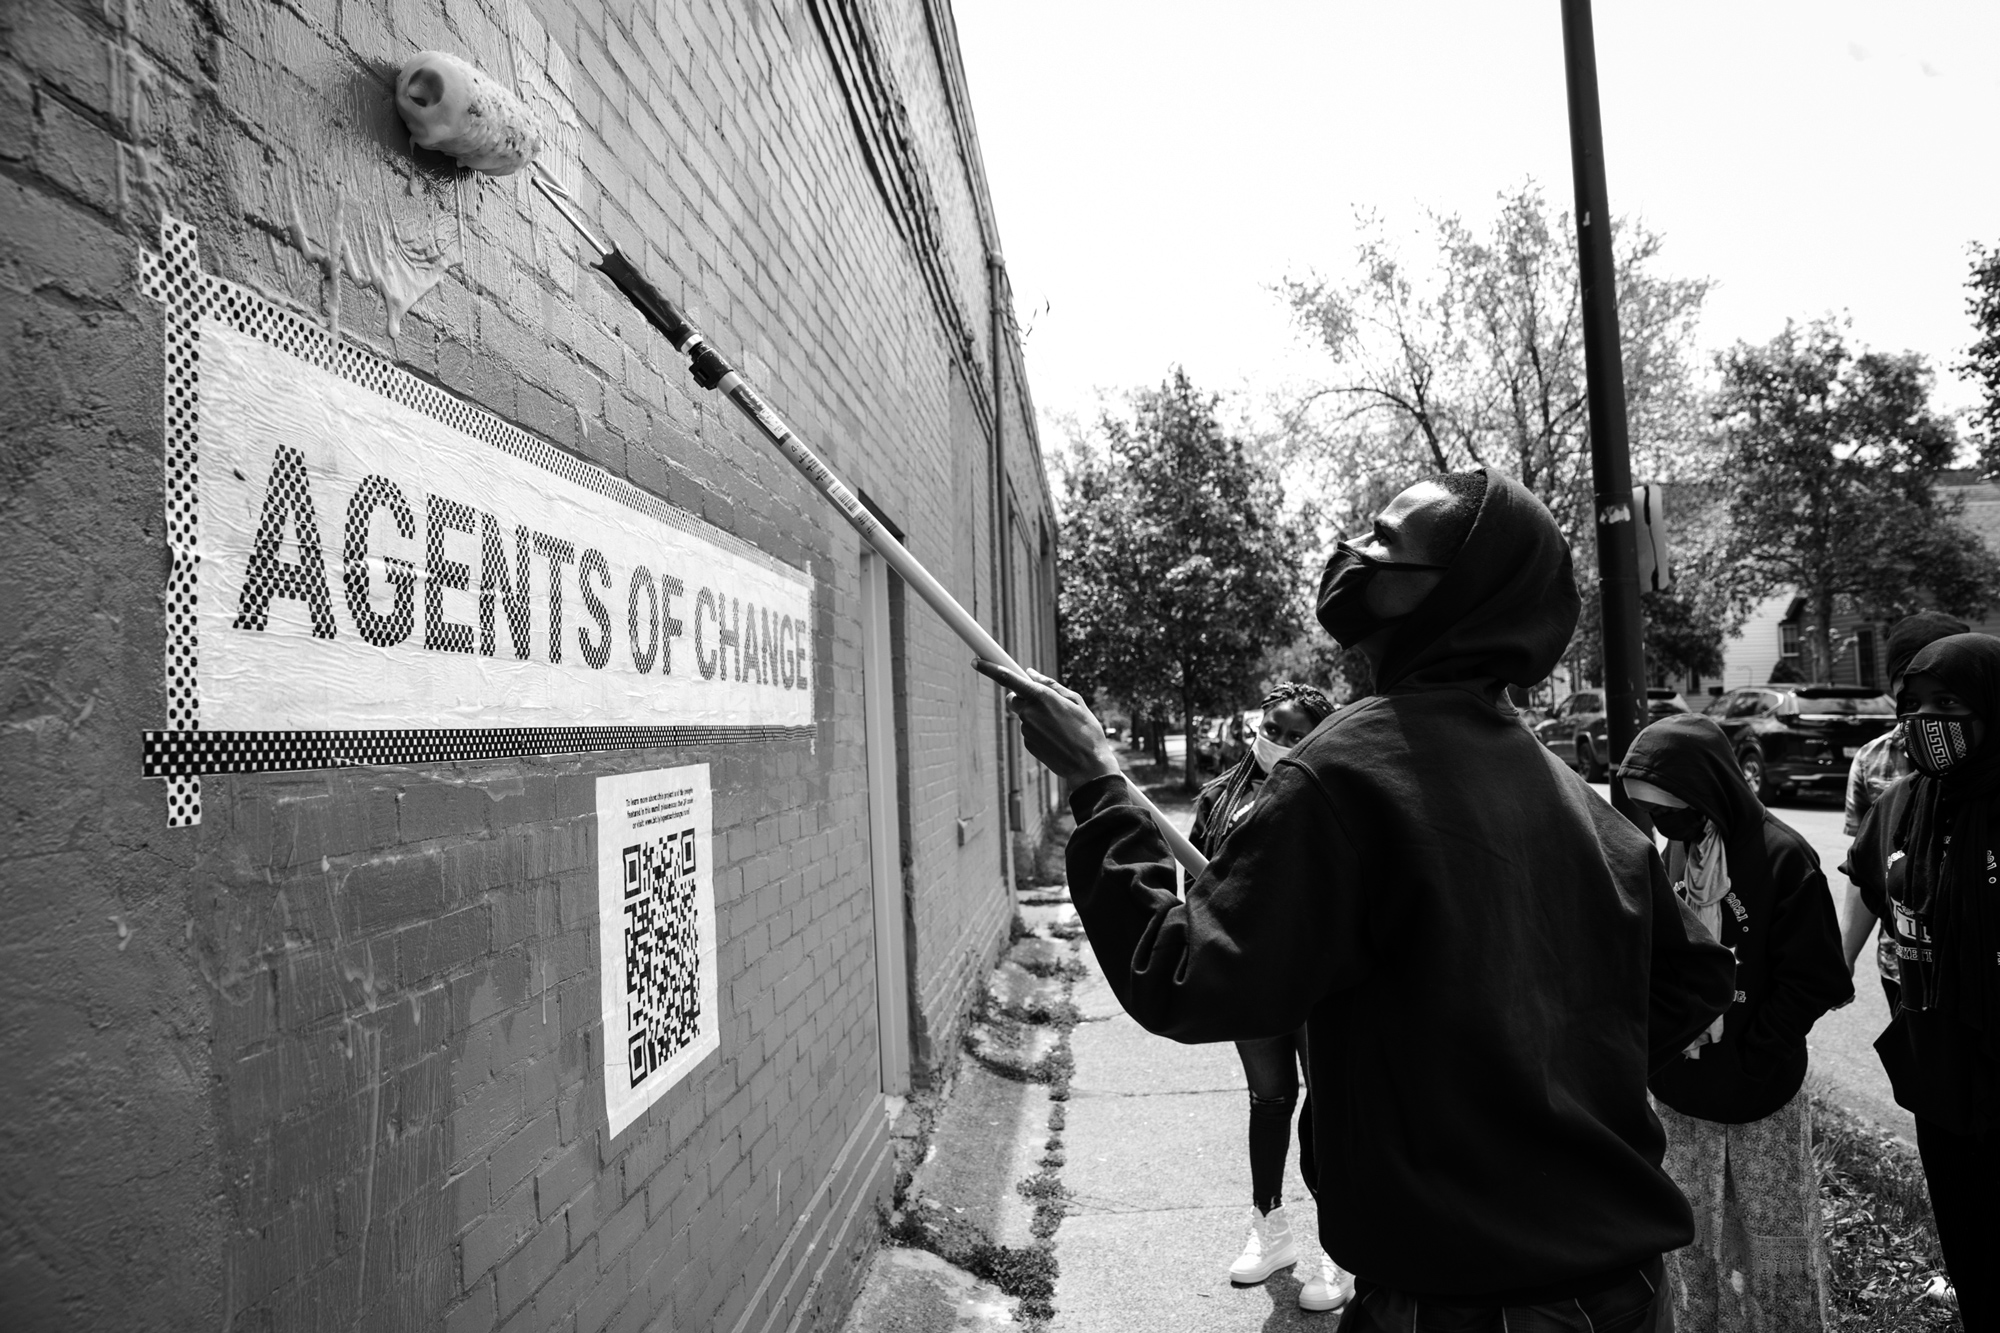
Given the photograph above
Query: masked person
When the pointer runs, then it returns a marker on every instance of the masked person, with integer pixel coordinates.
(1487, 958)
(1270, 1064)
(1928, 863)
(1739, 1130)
(1878, 764)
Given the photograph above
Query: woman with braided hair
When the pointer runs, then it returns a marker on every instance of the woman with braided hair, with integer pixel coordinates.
(1271, 1065)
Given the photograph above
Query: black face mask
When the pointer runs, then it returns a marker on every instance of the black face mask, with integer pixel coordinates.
(1937, 745)
(1676, 823)
(1343, 594)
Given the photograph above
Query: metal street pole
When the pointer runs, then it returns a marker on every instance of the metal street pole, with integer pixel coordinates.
(1610, 453)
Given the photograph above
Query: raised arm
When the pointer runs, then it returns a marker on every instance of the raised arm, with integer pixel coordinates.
(1269, 928)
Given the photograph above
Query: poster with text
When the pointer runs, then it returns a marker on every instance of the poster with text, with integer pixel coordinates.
(656, 933)
(366, 568)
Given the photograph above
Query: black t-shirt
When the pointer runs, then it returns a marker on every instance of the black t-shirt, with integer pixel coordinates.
(1936, 1064)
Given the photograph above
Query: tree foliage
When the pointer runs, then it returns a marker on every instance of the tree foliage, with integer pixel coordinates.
(1982, 361)
(1831, 466)
(1178, 567)
(1474, 357)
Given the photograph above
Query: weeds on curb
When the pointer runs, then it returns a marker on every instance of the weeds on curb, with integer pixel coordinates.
(1881, 1242)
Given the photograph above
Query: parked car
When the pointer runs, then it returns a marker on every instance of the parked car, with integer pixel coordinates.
(1576, 729)
(1664, 703)
(1801, 738)
(1222, 741)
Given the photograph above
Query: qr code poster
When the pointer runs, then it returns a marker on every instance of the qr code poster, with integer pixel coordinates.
(656, 933)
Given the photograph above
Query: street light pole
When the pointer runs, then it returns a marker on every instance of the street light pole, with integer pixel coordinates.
(1610, 453)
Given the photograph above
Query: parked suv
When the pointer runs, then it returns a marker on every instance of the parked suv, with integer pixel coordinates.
(1801, 738)
(1576, 729)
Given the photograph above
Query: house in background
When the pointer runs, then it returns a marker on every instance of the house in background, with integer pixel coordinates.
(1772, 635)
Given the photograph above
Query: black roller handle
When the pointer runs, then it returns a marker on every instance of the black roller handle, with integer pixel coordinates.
(708, 365)
(658, 310)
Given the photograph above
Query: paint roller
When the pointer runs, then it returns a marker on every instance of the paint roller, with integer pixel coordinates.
(453, 108)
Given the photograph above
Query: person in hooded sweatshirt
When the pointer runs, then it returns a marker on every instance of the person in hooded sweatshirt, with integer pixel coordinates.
(1488, 959)
(1928, 863)
(1739, 1130)
(1270, 1064)
(1878, 765)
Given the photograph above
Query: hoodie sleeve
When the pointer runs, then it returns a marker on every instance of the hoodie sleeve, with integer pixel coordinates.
(1806, 971)
(1269, 928)
(1693, 977)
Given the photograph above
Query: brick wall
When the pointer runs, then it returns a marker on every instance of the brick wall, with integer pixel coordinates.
(333, 1056)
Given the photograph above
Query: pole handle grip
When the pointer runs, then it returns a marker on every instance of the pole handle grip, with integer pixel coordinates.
(647, 299)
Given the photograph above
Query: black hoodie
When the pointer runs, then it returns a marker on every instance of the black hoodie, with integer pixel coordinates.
(1777, 918)
(1488, 956)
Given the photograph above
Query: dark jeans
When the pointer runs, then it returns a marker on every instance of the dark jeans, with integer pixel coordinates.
(1964, 1178)
(1271, 1066)
(1636, 1305)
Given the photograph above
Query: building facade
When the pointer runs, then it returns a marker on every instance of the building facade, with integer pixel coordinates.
(487, 843)
(1770, 638)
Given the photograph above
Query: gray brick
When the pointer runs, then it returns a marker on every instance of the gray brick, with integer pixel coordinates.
(517, 1276)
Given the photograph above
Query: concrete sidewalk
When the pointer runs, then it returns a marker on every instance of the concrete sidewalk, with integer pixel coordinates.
(1158, 1172)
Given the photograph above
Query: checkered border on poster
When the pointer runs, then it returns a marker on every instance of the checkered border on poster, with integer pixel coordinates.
(182, 752)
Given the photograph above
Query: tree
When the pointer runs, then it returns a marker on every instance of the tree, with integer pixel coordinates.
(1475, 358)
(1315, 658)
(1178, 569)
(1982, 362)
(1831, 467)
(1683, 637)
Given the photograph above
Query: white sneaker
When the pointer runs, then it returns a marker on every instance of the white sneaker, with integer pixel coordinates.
(1267, 1248)
(1331, 1289)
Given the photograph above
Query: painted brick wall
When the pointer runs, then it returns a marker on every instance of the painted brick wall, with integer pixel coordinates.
(333, 1057)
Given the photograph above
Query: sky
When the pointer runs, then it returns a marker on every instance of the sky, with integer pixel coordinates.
(1157, 166)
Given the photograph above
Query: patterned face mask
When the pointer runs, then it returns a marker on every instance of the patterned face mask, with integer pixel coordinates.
(1937, 745)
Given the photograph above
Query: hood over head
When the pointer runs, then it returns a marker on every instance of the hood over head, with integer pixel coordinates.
(1688, 755)
(1505, 608)
(1912, 634)
(1970, 665)
(1964, 915)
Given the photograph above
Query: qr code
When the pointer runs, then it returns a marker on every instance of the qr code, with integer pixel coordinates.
(662, 952)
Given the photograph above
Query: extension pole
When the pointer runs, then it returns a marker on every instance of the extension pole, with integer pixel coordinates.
(712, 371)
(1610, 452)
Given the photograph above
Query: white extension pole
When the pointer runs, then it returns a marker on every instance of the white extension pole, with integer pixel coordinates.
(939, 599)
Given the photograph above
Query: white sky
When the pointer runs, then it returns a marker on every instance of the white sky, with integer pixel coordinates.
(1157, 165)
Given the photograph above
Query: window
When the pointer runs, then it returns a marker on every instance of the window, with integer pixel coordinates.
(1788, 640)
(1747, 704)
(1864, 656)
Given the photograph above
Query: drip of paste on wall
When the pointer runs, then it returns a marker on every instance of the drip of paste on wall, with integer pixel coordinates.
(364, 242)
(323, 257)
(402, 270)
